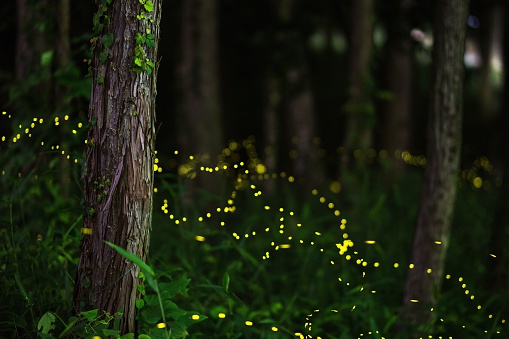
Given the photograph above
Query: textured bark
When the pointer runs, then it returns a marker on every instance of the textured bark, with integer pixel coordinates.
(397, 127)
(199, 113)
(359, 109)
(119, 167)
(444, 141)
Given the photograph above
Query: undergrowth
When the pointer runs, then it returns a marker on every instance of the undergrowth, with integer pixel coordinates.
(248, 264)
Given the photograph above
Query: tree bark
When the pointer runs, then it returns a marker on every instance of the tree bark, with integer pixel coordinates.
(119, 162)
(444, 145)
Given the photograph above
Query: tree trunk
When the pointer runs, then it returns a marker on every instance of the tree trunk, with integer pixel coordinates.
(62, 45)
(444, 140)
(398, 116)
(297, 99)
(200, 132)
(498, 268)
(120, 155)
(359, 109)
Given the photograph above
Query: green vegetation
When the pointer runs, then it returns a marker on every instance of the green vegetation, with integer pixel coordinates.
(330, 262)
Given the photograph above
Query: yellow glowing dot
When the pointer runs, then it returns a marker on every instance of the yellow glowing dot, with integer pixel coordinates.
(161, 325)
(314, 192)
(221, 315)
(155, 189)
(493, 255)
(479, 307)
(414, 300)
(448, 276)
(370, 242)
(477, 182)
(438, 242)
(80, 125)
(376, 264)
(428, 270)
(155, 167)
(260, 169)
(195, 317)
(274, 328)
(199, 238)
(66, 117)
(396, 265)
(41, 121)
(348, 257)
(411, 266)
(249, 323)
(39, 237)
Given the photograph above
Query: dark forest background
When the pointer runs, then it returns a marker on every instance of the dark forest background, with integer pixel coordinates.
(332, 94)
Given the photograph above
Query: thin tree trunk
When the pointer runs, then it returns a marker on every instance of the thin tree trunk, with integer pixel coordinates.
(498, 277)
(359, 109)
(297, 100)
(200, 117)
(444, 145)
(119, 162)
(398, 116)
(62, 46)
(271, 128)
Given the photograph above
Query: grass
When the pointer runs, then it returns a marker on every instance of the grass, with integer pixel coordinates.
(292, 264)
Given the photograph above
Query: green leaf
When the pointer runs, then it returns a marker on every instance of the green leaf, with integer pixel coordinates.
(46, 323)
(108, 40)
(226, 281)
(137, 61)
(90, 315)
(149, 6)
(103, 56)
(46, 58)
(140, 303)
(144, 336)
(146, 269)
(140, 39)
(152, 314)
(108, 332)
(129, 336)
(171, 289)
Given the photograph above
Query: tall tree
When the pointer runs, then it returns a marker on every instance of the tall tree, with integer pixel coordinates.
(498, 276)
(397, 127)
(359, 109)
(199, 114)
(443, 150)
(296, 96)
(119, 162)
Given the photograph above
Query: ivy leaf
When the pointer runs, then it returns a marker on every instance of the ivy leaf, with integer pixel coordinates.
(108, 40)
(149, 6)
(140, 39)
(103, 56)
